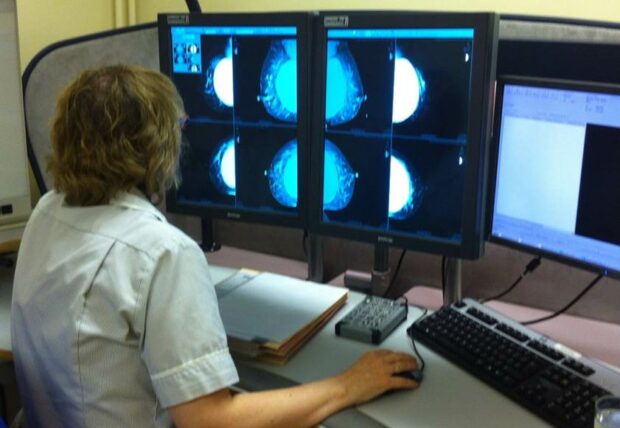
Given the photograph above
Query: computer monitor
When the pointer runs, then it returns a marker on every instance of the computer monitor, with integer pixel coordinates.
(402, 119)
(556, 190)
(244, 82)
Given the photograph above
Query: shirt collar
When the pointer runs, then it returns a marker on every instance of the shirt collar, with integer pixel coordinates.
(136, 200)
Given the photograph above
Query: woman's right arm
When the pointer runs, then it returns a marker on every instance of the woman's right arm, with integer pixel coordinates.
(300, 406)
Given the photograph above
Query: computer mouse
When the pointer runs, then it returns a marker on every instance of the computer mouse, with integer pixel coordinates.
(412, 374)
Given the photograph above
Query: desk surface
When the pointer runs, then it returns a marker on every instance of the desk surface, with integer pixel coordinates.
(448, 396)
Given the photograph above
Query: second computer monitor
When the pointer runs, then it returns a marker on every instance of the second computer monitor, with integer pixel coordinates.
(244, 82)
(556, 184)
(401, 128)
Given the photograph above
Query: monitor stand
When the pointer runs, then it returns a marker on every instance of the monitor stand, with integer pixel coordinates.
(378, 280)
(315, 258)
(452, 292)
(207, 242)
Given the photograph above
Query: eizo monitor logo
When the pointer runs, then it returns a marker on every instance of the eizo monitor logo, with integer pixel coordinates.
(336, 21)
(233, 215)
(178, 19)
(385, 239)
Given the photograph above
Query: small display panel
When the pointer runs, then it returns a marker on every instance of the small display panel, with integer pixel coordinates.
(558, 169)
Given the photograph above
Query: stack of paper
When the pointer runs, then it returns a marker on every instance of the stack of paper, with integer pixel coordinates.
(269, 316)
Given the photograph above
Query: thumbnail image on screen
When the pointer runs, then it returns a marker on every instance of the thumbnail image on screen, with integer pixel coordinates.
(557, 189)
(396, 126)
(239, 88)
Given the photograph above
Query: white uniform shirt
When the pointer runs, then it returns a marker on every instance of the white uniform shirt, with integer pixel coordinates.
(114, 317)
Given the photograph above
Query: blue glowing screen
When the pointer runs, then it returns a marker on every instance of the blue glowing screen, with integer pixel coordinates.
(218, 86)
(282, 175)
(404, 192)
(278, 81)
(396, 124)
(345, 93)
(338, 179)
(222, 167)
(239, 86)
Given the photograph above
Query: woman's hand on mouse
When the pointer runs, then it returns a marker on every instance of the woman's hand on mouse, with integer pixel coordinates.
(375, 373)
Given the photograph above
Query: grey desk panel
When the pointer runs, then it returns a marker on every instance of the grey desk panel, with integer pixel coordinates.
(448, 397)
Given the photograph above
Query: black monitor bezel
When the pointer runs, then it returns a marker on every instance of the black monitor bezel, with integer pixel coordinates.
(502, 81)
(485, 27)
(302, 21)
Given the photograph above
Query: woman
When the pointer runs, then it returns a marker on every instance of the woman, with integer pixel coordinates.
(114, 319)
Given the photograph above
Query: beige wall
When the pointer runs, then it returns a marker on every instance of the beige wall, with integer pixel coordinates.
(42, 22)
(608, 10)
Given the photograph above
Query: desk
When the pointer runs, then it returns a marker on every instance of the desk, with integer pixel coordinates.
(448, 397)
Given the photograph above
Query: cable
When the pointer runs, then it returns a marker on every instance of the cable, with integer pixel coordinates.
(415, 348)
(393, 279)
(444, 261)
(193, 6)
(304, 243)
(406, 304)
(400, 262)
(531, 267)
(568, 305)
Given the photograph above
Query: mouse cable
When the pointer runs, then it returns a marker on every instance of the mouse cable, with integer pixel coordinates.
(568, 305)
(410, 336)
(531, 267)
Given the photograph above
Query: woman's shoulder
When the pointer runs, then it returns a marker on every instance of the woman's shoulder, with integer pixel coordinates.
(130, 219)
(150, 231)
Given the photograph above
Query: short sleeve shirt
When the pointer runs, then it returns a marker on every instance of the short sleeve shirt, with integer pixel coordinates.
(114, 317)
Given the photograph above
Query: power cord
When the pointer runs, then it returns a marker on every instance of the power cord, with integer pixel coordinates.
(568, 305)
(531, 267)
(405, 304)
(393, 279)
(304, 243)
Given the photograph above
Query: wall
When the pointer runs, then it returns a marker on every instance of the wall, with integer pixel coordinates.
(607, 10)
(44, 22)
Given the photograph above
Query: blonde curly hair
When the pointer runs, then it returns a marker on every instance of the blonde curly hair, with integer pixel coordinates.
(116, 128)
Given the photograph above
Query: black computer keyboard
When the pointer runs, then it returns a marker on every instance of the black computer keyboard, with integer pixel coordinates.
(552, 381)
